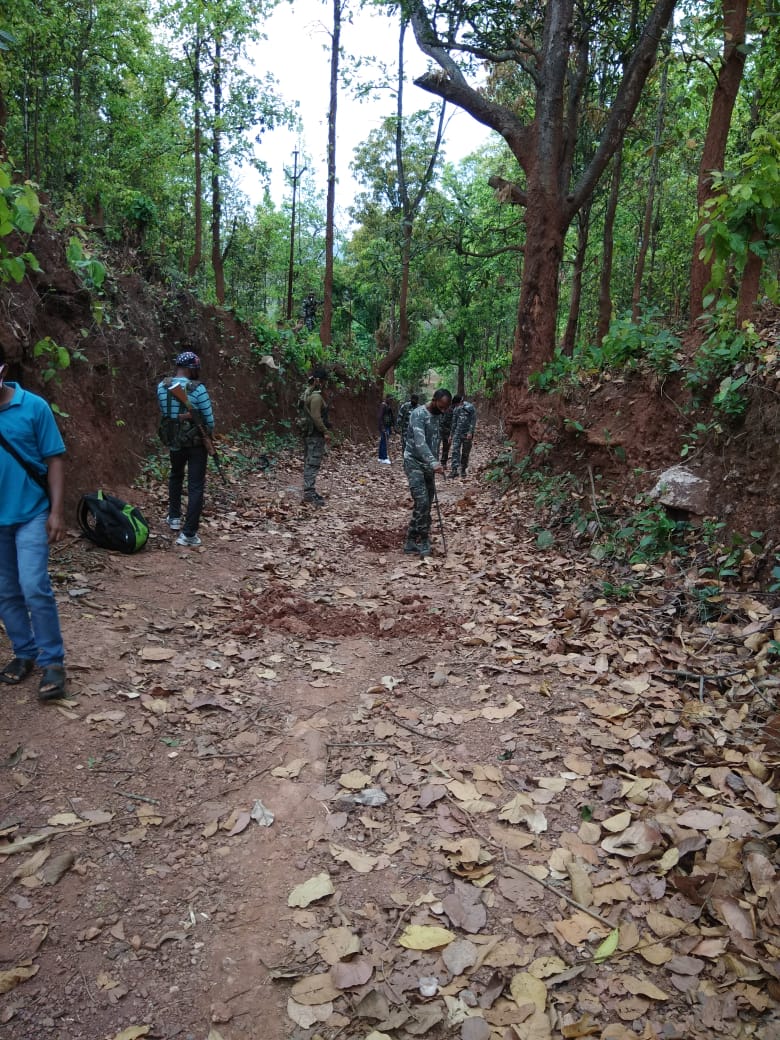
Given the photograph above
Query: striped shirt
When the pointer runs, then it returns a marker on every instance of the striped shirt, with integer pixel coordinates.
(197, 395)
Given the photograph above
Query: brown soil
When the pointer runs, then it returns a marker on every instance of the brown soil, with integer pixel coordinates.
(281, 658)
(108, 411)
(300, 648)
(623, 432)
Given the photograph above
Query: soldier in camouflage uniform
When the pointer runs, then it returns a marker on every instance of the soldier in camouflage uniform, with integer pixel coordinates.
(421, 462)
(446, 429)
(404, 412)
(315, 435)
(464, 422)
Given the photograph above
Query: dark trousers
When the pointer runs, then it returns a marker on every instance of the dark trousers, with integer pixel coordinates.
(194, 459)
(445, 449)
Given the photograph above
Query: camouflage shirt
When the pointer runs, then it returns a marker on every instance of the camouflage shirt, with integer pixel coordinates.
(446, 422)
(403, 417)
(421, 443)
(464, 419)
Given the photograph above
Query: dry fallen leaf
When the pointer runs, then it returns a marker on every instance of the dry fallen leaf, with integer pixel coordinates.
(527, 989)
(425, 937)
(11, 978)
(318, 887)
(315, 989)
(308, 1015)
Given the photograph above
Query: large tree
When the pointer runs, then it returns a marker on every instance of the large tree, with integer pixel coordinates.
(540, 56)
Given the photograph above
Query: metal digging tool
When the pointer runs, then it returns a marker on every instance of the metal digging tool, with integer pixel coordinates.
(438, 513)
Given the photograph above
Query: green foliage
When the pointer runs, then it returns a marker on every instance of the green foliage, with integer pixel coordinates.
(647, 535)
(743, 215)
(629, 344)
(139, 210)
(55, 358)
(696, 437)
(717, 360)
(19, 209)
(91, 271)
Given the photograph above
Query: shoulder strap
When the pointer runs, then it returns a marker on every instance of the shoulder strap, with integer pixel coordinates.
(32, 473)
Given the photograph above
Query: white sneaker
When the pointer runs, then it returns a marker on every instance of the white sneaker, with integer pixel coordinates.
(174, 522)
(385, 462)
(188, 539)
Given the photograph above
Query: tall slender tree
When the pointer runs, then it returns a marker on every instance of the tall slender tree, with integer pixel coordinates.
(326, 325)
(728, 79)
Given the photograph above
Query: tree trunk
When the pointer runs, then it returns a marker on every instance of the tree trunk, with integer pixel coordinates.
(583, 231)
(714, 150)
(460, 339)
(607, 252)
(647, 222)
(3, 122)
(216, 158)
(326, 325)
(401, 341)
(544, 149)
(750, 283)
(197, 90)
(538, 308)
(410, 207)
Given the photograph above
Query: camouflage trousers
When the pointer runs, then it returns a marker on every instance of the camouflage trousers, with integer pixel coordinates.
(314, 449)
(461, 449)
(422, 485)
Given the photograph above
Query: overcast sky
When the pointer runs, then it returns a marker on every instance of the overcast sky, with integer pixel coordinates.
(297, 53)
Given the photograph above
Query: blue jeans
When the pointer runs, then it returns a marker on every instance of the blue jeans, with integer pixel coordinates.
(195, 460)
(28, 608)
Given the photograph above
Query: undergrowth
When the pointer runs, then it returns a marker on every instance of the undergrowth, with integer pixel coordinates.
(719, 373)
(625, 541)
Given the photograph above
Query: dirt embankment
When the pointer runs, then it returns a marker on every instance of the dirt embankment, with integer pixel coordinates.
(622, 431)
(121, 342)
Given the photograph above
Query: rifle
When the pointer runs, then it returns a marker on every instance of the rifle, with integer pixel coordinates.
(178, 391)
(438, 512)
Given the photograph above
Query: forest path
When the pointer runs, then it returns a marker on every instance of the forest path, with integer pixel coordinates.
(546, 776)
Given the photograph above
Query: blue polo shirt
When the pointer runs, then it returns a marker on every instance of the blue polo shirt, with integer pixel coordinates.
(28, 424)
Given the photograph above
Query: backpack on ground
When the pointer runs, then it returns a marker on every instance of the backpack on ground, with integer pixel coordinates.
(173, 432)
(111, 523)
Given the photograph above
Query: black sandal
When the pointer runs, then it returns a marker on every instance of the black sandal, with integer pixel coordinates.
(16, 670)
(52, 686)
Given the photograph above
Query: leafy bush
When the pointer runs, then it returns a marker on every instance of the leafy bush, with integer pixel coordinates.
(628, 345)
(92, 272)
(19, 209)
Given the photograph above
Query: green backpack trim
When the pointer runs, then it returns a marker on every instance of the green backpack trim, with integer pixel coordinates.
(111, 523)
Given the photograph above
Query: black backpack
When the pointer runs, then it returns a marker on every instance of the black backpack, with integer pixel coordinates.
(111, 523)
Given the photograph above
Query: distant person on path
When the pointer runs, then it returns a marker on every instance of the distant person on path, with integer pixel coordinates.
(464, 423)
(386, 423)
(179, 431)
(32, 486)
(421, 463)
(446, 429)
(404, 412)
(315, 435)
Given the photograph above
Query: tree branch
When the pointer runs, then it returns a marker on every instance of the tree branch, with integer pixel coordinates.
(508, 191)
(624, 106)
(451, 85)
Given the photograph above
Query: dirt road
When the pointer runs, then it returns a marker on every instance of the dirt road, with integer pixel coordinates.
(301, 772)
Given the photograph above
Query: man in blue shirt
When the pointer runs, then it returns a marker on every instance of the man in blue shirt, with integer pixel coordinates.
(186, 444)
(32, 482)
